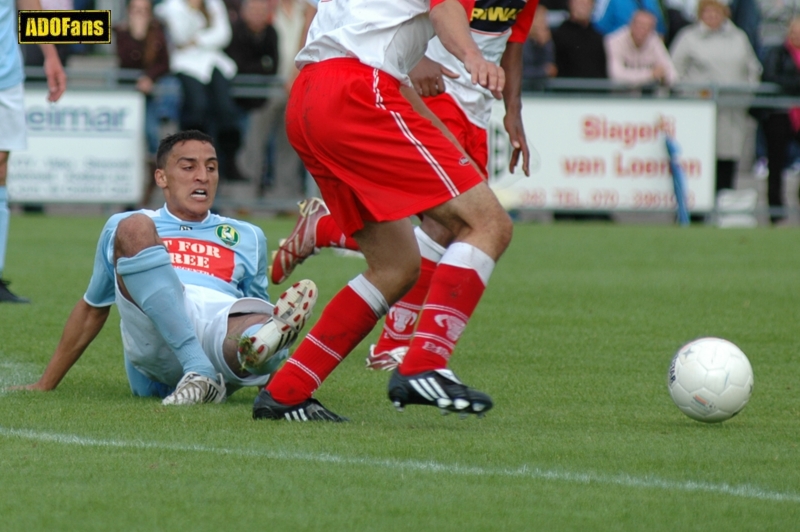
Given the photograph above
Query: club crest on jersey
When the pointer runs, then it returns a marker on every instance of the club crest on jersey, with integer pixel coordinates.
(453, 326)
(228, 235)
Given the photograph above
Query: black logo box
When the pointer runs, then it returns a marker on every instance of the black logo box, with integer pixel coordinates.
(65, 27)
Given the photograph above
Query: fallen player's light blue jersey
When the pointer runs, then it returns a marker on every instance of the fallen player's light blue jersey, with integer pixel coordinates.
(220, 253)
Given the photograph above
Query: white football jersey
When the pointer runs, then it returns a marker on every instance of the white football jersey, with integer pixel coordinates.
(389, 35)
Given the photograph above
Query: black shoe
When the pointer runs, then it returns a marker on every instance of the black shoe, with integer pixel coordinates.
(6, 296)
(265, 407)
(437, 388)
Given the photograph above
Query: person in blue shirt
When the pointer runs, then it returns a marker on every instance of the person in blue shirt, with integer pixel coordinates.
(191, 290)
(12, 111)
(611, 15)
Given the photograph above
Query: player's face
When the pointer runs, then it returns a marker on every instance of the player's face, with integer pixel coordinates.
(189, 179)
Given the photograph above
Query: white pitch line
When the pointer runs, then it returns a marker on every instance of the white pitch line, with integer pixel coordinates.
(622, 480)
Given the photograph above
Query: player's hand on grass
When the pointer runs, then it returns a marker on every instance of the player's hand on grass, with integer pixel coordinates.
(427, 77)
(516, 134)
(486, 74)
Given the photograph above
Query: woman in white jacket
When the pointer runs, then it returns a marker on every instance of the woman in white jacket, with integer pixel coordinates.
(715, 51)
(198, 31)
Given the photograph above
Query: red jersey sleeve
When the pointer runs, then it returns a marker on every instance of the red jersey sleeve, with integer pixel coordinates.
(520, 29)
(468, 5)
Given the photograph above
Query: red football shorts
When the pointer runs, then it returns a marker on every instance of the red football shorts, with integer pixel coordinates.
(471, 137)
(373, 157)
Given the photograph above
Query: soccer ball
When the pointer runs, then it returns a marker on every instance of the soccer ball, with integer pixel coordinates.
(710, 379)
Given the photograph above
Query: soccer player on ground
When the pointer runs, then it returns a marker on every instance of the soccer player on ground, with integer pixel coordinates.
(12, 110)
(379, 156)
(465, 108)
(191, 288)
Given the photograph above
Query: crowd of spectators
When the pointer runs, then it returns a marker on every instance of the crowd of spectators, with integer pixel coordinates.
(198, 46)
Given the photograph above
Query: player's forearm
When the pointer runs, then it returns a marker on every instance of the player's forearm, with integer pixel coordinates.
(451, 24)
(512, 65)
(48, 50)
(82, 327)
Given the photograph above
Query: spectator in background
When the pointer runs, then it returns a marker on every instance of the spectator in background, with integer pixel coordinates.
(745, 14)
(254, 47)
(781, 126)
(142, 45)
(199, 30)
(579, 47)
(281, 171)
(538, 52)
(716, 52)
(636, 55)
(611, 15)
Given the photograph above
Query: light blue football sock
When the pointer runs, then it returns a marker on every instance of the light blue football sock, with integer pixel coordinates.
(3, 227)
(155, 287)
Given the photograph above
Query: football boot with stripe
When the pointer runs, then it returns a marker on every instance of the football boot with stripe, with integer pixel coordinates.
(265, 407)
(440, 388)
(385, 360)
(195, 389)
(301, 243)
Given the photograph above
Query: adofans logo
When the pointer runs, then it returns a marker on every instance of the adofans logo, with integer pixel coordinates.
(64, 27)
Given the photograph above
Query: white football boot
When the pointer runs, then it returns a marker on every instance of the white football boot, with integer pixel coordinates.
(292, 310)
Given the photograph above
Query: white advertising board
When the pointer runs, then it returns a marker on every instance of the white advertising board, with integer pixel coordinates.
(607, 155)
(86, 148)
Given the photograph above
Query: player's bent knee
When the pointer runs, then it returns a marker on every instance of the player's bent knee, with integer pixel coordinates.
(133, 234)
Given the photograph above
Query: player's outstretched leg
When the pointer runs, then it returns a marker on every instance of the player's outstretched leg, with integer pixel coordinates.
(260, 343)
(315, 228)
(439, 388)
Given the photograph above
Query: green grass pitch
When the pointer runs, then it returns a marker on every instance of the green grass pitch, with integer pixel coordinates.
(572, 340)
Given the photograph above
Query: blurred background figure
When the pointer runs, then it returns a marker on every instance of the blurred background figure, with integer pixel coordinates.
(636, 54)
(611, 15)
(579, 47)
(198, 31)
(716, 52)
(254, 47)
(781, 126)
(141, 45)
(745, 14)
(267, 153)
(539, 52)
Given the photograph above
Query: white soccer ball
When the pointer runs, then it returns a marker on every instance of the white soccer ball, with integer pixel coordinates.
(710, 379)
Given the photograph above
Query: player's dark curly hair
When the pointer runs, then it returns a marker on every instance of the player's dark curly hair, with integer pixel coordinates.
(168, 142)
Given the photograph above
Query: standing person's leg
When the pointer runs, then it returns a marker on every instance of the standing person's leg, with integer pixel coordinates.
(432, 238)
(226, 116)
(778, 132)
(12, 137)
(195, 104)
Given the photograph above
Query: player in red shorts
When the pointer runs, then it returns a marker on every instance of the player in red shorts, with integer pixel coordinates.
(378, 156)
(465, 109)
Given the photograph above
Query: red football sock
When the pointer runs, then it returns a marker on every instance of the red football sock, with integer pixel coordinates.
(329, 235)
(452, 298)
(344, 322)
(402, 317)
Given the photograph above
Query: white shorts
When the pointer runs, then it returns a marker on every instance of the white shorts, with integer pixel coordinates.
(208, 311)
(13, 135)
